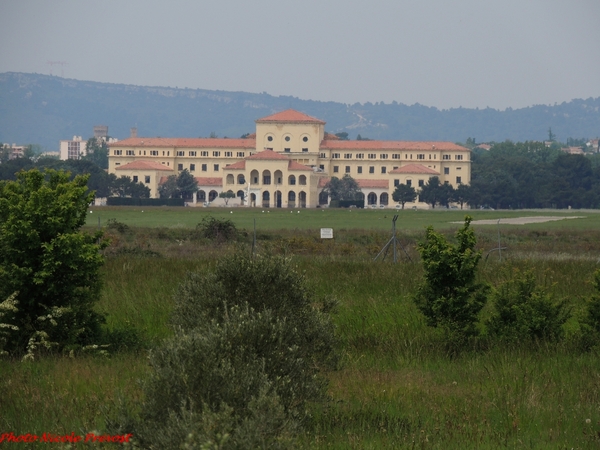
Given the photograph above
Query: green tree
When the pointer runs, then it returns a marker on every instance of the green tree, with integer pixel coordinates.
(404, 194)
(169, 188)
(124, 186)
(462, 194)
(343, 136)
(227, 196)
(186, 184)
(97, 151)
(44, 258)
(345, 188)
(450, 296)
(434, 192)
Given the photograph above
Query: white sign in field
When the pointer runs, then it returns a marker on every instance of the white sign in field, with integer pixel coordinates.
(326, 233)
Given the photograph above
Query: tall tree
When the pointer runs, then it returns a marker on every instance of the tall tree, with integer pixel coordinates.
(434, 192)
(345, 188)
(404, 194)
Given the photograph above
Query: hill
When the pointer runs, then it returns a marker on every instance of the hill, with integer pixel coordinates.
(42, 109)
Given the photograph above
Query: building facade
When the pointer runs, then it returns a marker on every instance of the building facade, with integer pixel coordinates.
(288, 162)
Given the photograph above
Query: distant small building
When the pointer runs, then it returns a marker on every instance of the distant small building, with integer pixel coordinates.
(573, 150)
(14, 151)
(76, 147)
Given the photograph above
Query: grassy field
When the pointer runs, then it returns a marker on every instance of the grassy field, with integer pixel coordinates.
(398, 387)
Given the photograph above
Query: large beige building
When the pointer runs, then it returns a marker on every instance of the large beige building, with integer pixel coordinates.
(288, 162)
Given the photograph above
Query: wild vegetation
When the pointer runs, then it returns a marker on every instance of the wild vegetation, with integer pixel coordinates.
(398, 384)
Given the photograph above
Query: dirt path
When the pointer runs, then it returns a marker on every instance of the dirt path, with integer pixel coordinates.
(523, 220)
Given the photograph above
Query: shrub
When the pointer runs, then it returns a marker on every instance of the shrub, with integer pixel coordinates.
(250, 340)
(217, 229)
(524, 310)
(45, 259)
(593, 307)
(449, 295)
(114, 224)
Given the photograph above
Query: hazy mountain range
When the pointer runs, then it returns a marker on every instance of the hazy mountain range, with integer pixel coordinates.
(43, 109)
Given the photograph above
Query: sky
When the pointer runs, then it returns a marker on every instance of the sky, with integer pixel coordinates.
(446, 54)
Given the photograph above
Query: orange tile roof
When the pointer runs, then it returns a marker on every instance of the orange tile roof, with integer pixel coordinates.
(236, 165)
(267, 154)
(144, 165)
(384, 184)
(185, 143)
(415, 168)
(328, 144)
(290, 115)
(293, 165)
(209, 181)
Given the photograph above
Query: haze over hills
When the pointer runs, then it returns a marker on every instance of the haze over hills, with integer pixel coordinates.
(43, 109)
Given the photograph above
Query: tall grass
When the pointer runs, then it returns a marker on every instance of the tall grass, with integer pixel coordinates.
(398, 386)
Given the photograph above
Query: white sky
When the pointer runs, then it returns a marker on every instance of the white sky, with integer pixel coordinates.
(470, 53)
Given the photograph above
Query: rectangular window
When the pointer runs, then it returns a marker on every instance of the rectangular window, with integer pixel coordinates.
(179, 166)
(458, 157)
(347, 169)
(396, 182)
(360, 156)
(153, 152)
(191, 153)
(229, 154)
(204, 153)
(335, 155)
(163, 153)
(446, 170)
(117, 152)
(322, 167)
(135, 178)
(371, 169)
(420, 156)
(446, 157)
(240, 154)
(359, 169)
(217, 154)
(129, 152)
(267, 179)
(180, 153)
(216, 167)
(458, 168)
(287, 150)
(348, 155)
(372, 156)
(192, 167)
(322, 155)
(304, 150)
(147, 179)
(396, 156)
(383, 156)
(458, 180)
(204, 167)
(409, 182)
(336, 169)
(421, 183)
(383, 169)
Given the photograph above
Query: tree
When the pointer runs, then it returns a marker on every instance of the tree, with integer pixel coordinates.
(404, 194)
(125, 187)
(435, 192)
(44, 258)
(462, 194)
(169, 188)
(343, 136)
(96, 151)
(345, 188)
(186, 184)
(449, 295)
(226, 196)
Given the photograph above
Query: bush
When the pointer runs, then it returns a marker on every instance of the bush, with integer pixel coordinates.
(449, 295)
(48, 263)
(524, 310)
(593, 307)
(217, 229)
(250, 340)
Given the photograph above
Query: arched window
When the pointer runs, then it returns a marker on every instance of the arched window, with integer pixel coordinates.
(201, 196)
(302, 199)
(254, 177)
(383, 199)
(266, 177)
(241, 179)
(372, 198)
(265, 199)
(212, 195)
(302, 180)
(291, 180)
(230, 179)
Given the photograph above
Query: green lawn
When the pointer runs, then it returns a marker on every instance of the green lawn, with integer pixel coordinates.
(338, 219)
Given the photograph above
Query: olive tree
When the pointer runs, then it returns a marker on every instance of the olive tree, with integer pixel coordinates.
(47, 266)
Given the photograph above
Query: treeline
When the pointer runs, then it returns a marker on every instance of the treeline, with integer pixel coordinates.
(103, 183)
(530, 175)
